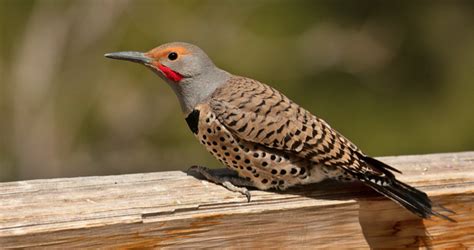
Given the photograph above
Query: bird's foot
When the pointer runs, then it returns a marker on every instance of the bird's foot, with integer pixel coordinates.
(232, 183)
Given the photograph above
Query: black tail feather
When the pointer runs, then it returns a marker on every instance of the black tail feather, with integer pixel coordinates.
(409, 197)
(379, 165)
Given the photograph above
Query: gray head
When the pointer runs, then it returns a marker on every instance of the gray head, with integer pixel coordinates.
(185, 67)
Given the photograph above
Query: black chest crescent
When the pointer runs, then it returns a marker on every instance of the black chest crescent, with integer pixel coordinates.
(193, 121)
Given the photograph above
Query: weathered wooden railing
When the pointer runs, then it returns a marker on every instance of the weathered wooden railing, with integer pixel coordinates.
(174, 209)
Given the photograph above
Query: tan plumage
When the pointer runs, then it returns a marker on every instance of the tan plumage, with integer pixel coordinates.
(268, 140)
(258, 120)
(258, 113)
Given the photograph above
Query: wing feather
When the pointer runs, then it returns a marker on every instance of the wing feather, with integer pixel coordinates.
(257, 113)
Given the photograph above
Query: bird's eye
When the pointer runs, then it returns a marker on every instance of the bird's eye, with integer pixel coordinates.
(173, 56)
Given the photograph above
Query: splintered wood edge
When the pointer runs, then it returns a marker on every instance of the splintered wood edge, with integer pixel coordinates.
(54, 212)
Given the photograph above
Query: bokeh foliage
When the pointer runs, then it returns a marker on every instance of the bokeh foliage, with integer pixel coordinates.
(396, 77)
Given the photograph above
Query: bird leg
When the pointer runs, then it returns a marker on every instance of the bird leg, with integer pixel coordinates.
(230, 181)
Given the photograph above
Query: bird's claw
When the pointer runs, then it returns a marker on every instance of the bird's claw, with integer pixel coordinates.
(248, 195)
(193, 169)
(228, 182)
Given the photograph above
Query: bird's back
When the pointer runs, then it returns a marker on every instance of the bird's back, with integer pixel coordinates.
(258, 113)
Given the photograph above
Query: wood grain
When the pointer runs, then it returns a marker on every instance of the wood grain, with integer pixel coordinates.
(172, 209)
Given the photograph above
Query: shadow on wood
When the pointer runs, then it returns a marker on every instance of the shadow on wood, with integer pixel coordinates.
(383, 222)
(391, 226)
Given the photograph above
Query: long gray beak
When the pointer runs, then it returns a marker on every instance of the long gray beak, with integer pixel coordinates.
(132, 56)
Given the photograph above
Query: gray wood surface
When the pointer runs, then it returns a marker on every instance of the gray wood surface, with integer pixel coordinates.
(176, 210)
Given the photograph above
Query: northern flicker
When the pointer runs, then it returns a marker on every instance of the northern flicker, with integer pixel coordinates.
(267, 139)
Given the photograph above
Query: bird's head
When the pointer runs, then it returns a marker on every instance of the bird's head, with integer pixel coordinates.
(185, 67)
(172, 61)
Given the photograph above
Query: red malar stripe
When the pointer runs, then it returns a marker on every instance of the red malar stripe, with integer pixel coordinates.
(170, 74)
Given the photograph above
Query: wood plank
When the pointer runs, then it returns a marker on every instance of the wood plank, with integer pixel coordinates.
(174, 209)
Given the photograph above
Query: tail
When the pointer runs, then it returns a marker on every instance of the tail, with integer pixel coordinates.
(407, 196)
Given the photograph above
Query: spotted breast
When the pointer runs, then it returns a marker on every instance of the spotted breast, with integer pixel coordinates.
(264, 167)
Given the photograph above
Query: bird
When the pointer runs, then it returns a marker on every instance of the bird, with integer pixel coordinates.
(267, 140)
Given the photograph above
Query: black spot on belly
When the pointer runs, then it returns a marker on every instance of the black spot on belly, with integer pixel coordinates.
(193, 121)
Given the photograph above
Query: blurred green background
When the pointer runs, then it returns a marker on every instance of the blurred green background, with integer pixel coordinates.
(395, 77)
